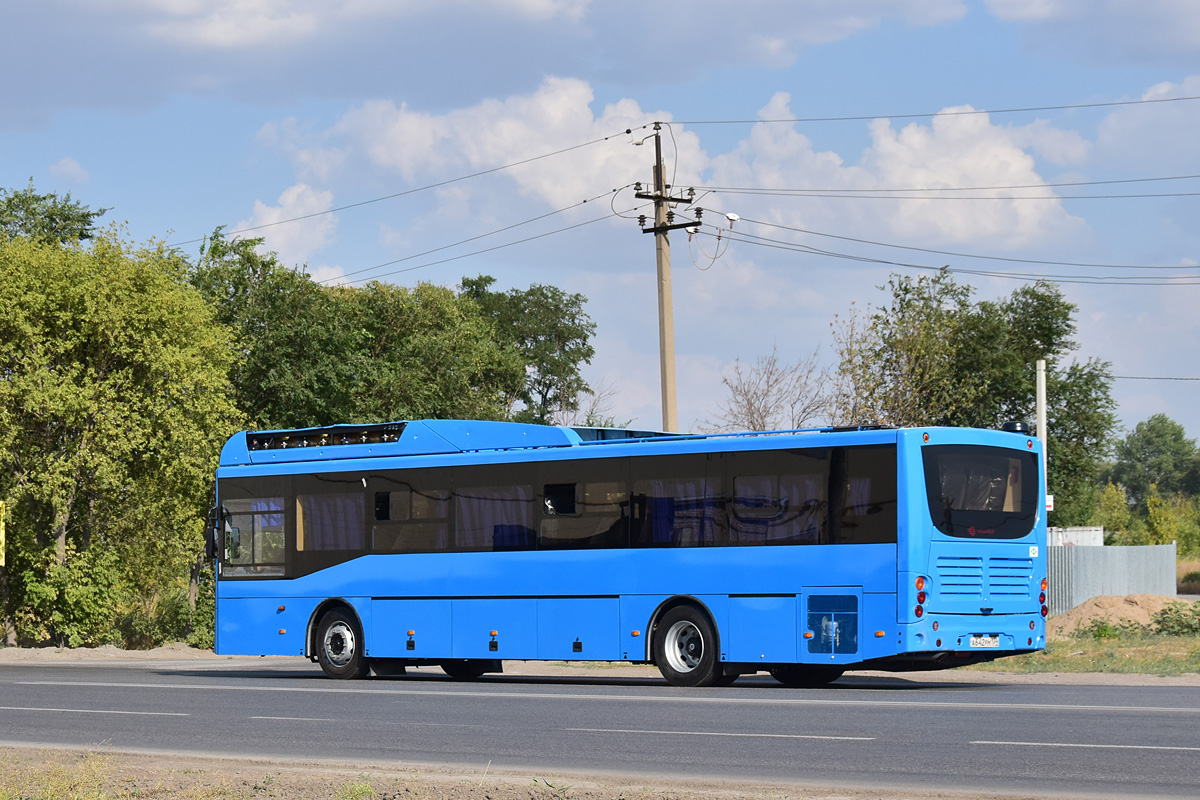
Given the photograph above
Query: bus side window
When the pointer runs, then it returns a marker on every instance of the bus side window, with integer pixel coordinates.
(560, 498)
(393, 506)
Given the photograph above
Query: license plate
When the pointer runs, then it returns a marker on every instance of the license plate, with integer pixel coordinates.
(985, 641)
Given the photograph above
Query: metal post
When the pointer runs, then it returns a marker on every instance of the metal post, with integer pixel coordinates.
(1041, 417)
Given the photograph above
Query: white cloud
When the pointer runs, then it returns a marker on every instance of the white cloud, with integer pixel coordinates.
(425, 147)
(237, 24)
(1155, 135)
(68, 169)
(952, 151)
(963, 151)
(296, 242)
(1152, 31)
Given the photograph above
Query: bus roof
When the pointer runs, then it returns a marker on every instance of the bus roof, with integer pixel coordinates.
(435, 437)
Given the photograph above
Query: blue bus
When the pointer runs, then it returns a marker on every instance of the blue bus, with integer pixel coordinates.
(369, 548)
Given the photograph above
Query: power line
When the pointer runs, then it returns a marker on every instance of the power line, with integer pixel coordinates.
(1182, 280)
(957, 113)
(868, 194)
(1150, 378)
(777, 190)
(491, 249)
(963, 255)
(416, 190)
(471, 238)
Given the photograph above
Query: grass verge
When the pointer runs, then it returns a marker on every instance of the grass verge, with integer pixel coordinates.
(1144, 653)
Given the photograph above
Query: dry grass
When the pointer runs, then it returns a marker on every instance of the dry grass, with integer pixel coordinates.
(1187, 577)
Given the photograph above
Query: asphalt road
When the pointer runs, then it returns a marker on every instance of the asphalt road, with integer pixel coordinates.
(1119, 741)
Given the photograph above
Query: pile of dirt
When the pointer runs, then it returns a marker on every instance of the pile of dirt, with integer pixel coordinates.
(1134, 608)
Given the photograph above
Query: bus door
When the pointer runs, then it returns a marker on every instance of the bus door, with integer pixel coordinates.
(831, 625)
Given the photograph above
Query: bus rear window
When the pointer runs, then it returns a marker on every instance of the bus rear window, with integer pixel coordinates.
(978, 492)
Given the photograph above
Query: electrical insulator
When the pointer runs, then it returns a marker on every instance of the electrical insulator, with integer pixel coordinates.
(670, 217)
(699, 213)
(642, 220)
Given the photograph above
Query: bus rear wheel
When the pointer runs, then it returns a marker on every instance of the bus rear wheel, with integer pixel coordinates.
(806, 675)
(340, 646)
(685, 648)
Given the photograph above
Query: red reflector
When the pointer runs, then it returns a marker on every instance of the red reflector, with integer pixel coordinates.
(935, 624)
(1031, 624)
(1031, 640)
(939, 643)
(920, 612)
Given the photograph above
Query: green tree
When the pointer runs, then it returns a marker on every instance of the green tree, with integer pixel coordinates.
(315, 355)
(114, 402)
(1158, 453)
(932, 356)
(551, 333)
(45, 218)
(1112, 509)
(427, 353)
(296, 340)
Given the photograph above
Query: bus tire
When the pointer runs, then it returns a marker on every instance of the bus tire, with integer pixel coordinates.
(811, 676)
(340, 646)
(465, 669)
(685, 648)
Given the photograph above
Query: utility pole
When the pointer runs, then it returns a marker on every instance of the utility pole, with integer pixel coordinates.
(663, 222)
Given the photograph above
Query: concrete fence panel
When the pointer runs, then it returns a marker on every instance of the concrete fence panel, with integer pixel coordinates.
(1078, 574)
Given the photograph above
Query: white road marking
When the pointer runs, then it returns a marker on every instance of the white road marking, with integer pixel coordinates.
(497, 690)
(714, 733)
(1094, 746)
(296, 719)
(96, 711)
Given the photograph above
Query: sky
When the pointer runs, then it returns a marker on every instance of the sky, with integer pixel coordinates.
(403, 142)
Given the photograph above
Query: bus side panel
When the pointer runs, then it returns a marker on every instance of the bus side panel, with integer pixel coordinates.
(636, 610)
(832, 625)
(761, 629)
(428, 620)
(879, 617)
(513, 619)
(579, 628)
(268, 626)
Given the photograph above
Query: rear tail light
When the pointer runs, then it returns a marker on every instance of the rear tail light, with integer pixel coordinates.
(919, 611)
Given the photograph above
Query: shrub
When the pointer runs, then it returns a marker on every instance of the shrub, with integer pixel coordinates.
(1177, 619)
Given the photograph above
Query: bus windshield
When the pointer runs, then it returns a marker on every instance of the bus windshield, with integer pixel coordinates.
(979, 492)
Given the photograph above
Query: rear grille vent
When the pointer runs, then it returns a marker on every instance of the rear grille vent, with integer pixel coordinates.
(960, 576)
(1010, 577)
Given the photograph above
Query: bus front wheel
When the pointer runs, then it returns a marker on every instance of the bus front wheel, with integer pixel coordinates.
(340, 646)
(806, 675)
(685, 648)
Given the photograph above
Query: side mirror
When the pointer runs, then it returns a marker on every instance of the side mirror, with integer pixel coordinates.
(210, 533)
